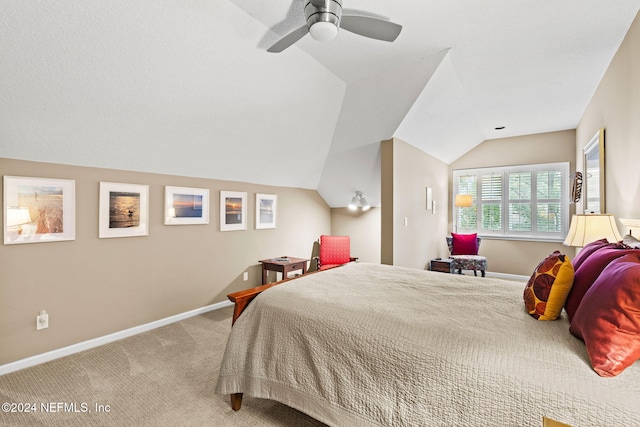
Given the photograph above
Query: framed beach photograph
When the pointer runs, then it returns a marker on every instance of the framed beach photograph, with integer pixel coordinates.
(184, 205)
(233, 210)
(124, 210)
(266, 210)
(38, 210)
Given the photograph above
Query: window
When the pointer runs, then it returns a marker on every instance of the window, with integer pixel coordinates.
(520, 202)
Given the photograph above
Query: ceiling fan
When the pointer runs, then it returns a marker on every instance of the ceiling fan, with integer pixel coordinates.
(324, 17)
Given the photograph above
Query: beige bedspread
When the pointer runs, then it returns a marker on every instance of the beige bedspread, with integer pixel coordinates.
(369, 344)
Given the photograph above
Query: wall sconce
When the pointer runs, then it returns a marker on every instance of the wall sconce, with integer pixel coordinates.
(587, 228)
(358, 201)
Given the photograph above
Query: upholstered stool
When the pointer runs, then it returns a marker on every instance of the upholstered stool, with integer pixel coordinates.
(467, 262)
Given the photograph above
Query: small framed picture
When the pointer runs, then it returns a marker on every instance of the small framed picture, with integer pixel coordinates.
(266, 210)
(39, 210)
(233, 210)
(124, 210)
(184, 205)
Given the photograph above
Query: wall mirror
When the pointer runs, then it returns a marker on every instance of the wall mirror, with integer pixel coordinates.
(593, 186)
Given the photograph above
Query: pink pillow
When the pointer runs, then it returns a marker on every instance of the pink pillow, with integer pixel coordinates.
(465, 244)
(588, 250)
(608, 319)
(588, 272)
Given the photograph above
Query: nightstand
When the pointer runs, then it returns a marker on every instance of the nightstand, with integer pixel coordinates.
(443, 265)
(282, 265)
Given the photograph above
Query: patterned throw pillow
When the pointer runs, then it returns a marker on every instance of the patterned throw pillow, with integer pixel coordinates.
(608, 318)
(548, 287)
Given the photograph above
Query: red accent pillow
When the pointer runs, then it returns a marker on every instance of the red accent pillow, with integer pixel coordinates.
(335, 249)
(588, 250)
(588, 272)
(608, 319)
(465, 244)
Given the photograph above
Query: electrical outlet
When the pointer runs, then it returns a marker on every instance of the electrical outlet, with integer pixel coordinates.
(42, 320)
(245, 276)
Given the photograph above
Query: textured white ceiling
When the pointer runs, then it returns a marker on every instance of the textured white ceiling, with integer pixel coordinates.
(185, 87)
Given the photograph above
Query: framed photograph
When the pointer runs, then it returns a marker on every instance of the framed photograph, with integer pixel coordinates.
(38, 210)
(124, 210)
(184, 205)
(233, 210)
(266, 210)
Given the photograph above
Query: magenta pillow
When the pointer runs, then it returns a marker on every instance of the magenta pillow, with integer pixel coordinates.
(465, 244)
(588, 250)
(608, 319)
(588, 272)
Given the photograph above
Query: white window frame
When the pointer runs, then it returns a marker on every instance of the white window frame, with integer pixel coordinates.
(503, 232)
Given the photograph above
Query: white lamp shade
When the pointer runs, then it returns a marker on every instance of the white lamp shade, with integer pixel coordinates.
(17, 216)
(587, 228)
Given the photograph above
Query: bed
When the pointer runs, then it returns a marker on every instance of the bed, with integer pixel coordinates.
(370, 344)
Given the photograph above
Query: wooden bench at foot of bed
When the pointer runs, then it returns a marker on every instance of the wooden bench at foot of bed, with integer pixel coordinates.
(241, 300)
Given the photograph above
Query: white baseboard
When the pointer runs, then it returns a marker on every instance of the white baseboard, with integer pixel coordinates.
(85, 345)
(515, 277)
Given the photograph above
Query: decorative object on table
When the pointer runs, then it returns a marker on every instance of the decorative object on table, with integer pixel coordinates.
(233, 210)
(124, 210)
(185, 205)
(464, 252)
(594, 174)
(38, 210)
(334, 251)
(266, 205)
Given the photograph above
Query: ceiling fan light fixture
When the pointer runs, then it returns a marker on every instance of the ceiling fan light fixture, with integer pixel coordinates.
(323, 31)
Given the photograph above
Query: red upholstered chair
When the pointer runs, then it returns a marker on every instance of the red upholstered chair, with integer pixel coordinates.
(334, 251)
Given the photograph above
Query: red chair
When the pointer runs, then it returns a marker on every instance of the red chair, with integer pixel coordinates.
(334, 251)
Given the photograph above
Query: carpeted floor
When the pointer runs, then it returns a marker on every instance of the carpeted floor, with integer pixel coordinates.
(164, 377)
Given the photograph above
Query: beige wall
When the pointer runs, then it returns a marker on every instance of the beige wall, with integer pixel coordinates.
(512, 256)
(364, 230)
(92, 287)
(615, 106)
(411, 234)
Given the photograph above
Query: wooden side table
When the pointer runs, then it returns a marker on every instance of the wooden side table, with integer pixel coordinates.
(443, 265)
(282, 265)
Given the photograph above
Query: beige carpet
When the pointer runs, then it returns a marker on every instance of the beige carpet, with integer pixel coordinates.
(164, 377)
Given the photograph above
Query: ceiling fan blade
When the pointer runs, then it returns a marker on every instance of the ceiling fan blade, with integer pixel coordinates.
(372, 27)
(288, 40)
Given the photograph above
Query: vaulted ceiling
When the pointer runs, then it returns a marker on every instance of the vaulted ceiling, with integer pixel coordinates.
(186, 87)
